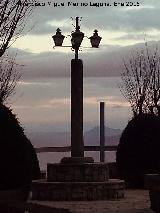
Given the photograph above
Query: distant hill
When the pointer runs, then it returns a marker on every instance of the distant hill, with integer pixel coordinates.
(111, 136)
(108, 131)
(91, 137)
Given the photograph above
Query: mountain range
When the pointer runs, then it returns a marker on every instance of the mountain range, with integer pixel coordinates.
(91, 137)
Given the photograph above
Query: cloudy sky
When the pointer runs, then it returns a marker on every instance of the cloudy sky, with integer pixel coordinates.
(42, 101)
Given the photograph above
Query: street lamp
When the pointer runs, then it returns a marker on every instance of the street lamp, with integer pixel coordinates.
(77, 144)
(77, 38)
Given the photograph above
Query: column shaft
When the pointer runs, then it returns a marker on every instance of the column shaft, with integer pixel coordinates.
(77, 145)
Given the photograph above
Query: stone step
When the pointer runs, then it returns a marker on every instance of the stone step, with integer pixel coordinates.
(86, 172)
(44, 190)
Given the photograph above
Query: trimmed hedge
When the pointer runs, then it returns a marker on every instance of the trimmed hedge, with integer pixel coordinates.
(138, 151)
(18, 160)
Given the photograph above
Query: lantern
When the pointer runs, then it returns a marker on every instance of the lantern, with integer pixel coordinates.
(58, 38)
(77, 38)
(95, 39)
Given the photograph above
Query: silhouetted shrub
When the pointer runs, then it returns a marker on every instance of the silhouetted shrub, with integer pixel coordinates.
(138, 152)
(18, 161)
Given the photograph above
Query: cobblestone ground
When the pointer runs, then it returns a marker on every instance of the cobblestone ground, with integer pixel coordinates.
(135, 201)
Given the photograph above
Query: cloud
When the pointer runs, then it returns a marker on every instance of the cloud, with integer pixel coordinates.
(58, 65)
(117, 25)
(45, 105)
(143, 18)
(139, 36)
(103, 62)
(42, 28)
(56, 92)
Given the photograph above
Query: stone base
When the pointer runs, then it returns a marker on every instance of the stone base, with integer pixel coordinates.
(77, 181)
(67, 191)
(86, 172)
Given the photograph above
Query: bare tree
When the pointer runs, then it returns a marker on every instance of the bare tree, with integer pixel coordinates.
(13, 17)
(141, 81)
(13, 14)
(9, 77)
(153, 96)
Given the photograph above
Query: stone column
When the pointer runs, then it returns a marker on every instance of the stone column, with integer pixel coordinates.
(102, 133)
(77, 145)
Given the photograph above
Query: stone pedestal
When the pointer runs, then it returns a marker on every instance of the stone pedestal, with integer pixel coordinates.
(82, 181)
(87, 172)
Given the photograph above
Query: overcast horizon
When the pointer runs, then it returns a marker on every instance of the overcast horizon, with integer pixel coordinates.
(42, 100)
(45, 106)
